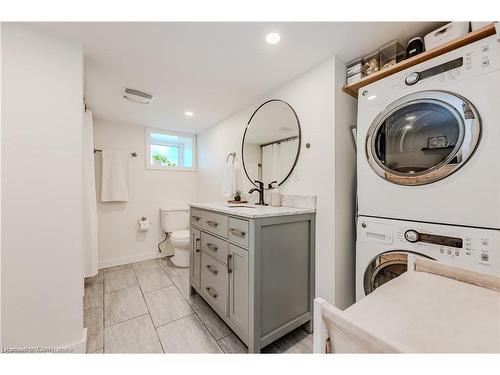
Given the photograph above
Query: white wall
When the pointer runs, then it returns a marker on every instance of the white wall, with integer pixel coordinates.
(313, 96)
(1, 314)
(119, 241)
(42, 92)
(345, 192)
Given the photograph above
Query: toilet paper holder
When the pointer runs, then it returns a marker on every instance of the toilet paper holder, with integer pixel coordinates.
(143, 224)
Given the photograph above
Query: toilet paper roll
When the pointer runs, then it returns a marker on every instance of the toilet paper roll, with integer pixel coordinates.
(144, 226)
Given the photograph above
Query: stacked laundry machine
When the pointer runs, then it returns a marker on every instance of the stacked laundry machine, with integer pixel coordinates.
(428, 166)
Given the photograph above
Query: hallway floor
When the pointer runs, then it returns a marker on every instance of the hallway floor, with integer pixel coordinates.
(145, 307)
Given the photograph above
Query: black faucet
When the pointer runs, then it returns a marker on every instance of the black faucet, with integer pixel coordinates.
(261, 192)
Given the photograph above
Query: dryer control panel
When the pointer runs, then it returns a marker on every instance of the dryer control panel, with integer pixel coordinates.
(471, 60)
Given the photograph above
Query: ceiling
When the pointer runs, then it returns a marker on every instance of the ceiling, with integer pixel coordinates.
(211, 69)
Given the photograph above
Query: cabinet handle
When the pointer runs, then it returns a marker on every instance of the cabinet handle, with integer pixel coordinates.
(212, 247)
(212, 223)
(196, 247)
(237, 232)
(195, 218)
(229, 265)
(214, 271)
(211, 291)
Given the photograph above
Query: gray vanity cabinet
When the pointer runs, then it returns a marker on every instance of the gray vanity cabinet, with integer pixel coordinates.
(195, 257)
(238, 287)
(257, 273)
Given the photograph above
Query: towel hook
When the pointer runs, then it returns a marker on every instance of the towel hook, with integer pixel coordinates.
(233, 154)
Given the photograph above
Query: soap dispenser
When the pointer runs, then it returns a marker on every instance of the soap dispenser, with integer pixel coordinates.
(275, 194)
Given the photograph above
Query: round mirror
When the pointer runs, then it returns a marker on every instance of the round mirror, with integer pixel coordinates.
(271, 143)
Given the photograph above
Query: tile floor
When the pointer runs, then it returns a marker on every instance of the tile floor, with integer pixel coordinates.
(145, 307)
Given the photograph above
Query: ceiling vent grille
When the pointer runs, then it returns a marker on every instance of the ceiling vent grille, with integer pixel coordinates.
(137, 96)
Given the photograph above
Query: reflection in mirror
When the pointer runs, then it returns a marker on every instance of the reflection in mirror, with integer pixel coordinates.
(271, 143)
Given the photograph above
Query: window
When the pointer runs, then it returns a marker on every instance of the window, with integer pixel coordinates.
(170, 150)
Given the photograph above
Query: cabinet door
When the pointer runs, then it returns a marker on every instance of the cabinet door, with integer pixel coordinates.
(195, 258)
(238, 287)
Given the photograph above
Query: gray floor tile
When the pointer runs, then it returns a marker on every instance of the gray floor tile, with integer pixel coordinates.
(93, 316)
(94, 279)
(94, 338)
(305, 346)
(117, 268)
(146, 265)
(166, 305)
(93, 321)
(231, 344)
(123, 304)
(187, 335)
(153, 279)
(178, 275)
(286, 342)
(133, 336)
(120, 279)
(209, 318)
(93, 295)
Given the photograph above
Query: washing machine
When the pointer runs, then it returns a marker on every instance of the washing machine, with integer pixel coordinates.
(429, 140)
(383, 246)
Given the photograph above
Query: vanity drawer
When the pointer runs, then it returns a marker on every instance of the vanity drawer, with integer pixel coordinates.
(214, 246)
(215, 223)
(238, 231)
(196, 217)
(214, 282)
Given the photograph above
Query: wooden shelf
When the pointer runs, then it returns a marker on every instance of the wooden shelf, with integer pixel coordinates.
(471, 37)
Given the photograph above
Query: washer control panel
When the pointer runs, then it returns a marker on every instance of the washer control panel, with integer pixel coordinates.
(414, 236)
(451, 244)
(474, 248)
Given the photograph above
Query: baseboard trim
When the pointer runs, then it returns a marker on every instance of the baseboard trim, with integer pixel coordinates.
(79, 347)
(130, 259)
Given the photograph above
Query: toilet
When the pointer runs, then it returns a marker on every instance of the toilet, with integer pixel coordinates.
(175, 221)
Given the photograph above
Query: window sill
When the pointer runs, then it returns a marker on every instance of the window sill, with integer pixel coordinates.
(172, 169)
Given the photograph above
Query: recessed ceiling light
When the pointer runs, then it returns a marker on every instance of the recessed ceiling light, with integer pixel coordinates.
(273, 38)
(189, 114)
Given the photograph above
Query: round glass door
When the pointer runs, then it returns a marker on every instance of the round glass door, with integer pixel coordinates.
(384, 268)
(423, 137)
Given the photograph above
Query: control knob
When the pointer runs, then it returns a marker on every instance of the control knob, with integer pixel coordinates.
(412, 78)
(411, 235)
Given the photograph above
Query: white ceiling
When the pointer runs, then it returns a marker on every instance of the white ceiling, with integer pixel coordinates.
(212, 69)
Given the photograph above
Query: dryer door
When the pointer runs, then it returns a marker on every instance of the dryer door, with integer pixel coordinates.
(386, 267)
(423, 137)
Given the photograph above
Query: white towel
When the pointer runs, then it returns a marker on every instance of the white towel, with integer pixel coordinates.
(229, 180)
(115, 176)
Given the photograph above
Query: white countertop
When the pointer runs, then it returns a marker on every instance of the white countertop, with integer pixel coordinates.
(420, 312)
(252, 211)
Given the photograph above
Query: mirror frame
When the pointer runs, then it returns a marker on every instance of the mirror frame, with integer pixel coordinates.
(245, 133)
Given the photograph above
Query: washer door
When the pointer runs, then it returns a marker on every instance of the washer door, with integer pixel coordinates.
(423, 137)
(386, 267)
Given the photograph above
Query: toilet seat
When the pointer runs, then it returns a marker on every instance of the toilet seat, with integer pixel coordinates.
(180, 234)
